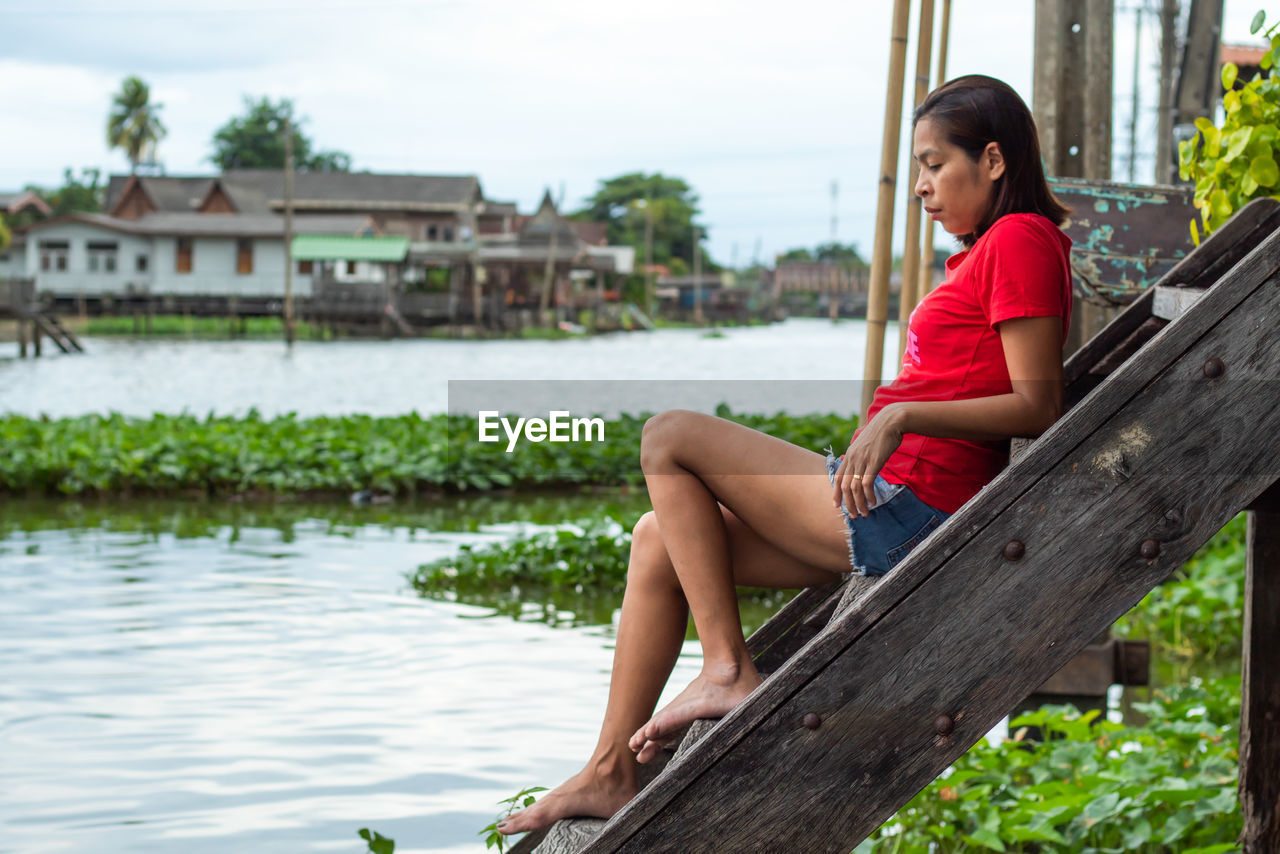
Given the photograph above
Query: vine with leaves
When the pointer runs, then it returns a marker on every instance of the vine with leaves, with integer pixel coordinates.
(1237, 162)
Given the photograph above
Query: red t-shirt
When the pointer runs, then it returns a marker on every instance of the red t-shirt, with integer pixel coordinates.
(1019, 268)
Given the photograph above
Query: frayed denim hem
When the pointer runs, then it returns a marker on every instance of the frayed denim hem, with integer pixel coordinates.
(884, 492)
(855, 567)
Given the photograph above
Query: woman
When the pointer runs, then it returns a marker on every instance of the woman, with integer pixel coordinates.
(732, 506)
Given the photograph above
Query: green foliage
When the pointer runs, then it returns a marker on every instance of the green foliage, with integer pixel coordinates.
(520, 800)
(255, 140)
(837, 253)
(626, 203)
(572, 576)
(83, 194)
(1235, 163)
(5, 235)
(1166, 786)
(401, 455)
(133, 124)
(378, 844)
(198, 327)
(1198, 614)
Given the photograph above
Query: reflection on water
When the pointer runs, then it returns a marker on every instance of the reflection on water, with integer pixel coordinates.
(139, 377)
(219, 678)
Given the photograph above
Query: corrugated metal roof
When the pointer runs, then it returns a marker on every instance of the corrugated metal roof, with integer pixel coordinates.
(315, 247)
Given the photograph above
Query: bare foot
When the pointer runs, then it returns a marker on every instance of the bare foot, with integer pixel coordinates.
(586, 793)
(713, 694)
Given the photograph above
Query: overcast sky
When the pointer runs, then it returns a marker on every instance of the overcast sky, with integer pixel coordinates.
(760, 106)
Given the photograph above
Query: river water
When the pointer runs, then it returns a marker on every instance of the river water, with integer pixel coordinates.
(197, 678)
(803, 365)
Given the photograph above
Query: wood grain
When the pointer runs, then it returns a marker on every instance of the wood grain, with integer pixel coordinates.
(1260, 698)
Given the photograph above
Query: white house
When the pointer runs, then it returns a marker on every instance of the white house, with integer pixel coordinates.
(178, 253)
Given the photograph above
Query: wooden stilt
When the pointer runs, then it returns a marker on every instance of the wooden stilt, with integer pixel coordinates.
(22, 337)
(1260, 696)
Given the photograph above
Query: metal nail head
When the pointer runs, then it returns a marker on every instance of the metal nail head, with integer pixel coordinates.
(1014, 550)
(812, 721)
(1150, 549)
(943, 725)
(1214, 368)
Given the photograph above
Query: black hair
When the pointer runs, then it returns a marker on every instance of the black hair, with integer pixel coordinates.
(974, 111)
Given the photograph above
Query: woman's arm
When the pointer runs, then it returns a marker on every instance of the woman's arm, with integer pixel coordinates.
(1034, 358)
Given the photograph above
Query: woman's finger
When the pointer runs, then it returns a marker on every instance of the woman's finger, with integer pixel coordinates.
(868, 483)
(855, 496)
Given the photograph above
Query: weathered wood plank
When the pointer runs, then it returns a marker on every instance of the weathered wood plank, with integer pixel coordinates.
(1260, 697)
(1169, 302)
(872, 700)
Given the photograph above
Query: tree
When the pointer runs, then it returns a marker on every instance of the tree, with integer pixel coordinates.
(836, 253)
(133, 124)
(255, 140)
(626, 202)
(83, 194)
(5, 235)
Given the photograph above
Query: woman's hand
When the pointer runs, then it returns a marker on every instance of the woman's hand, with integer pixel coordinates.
(855, 478)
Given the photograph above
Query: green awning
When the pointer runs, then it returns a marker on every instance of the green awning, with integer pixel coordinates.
(323, 247)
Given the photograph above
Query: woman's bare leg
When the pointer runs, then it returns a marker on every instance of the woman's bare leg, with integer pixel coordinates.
(692, 462)
(651, 630)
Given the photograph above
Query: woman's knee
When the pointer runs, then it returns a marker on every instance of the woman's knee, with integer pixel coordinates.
(649, 561)
(660, 437)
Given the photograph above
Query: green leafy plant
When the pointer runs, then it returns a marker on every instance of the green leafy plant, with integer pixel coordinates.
(1235, 163)
(378, 844)
(400, 455)
(520, 800)
(571, 576)
(1091, 786)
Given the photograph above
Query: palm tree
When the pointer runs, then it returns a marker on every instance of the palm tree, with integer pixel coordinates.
(133, 123)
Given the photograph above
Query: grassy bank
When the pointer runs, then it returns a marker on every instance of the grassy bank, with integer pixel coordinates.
(403, 455)
(177, 325)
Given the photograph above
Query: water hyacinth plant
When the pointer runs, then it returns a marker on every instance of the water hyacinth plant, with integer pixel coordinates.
(400, 455)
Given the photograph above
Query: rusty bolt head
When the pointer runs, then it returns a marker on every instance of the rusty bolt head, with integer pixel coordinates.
(1214, 368)
(812, 721)
(1014, 550)
(1150, 549)
(943, 725)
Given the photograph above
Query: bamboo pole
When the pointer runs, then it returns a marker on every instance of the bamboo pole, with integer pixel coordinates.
(882, 253)
(926, 254)
(911, 250)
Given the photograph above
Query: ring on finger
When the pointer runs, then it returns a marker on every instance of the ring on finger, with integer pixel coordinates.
(857, 477)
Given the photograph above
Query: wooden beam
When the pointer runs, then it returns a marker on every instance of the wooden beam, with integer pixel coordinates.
(1170, 302)
(1260, 697)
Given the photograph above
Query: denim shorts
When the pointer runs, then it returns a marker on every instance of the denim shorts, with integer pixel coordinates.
(893, 527)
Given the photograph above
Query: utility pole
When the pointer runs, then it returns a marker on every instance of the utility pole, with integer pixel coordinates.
(1164, 172)
(697, 276)
(288, 233)
(648, 256)
(549, 271)
(1133, 110)
(835, 208)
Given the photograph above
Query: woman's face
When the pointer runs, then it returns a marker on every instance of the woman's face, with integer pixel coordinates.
(955, 190)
